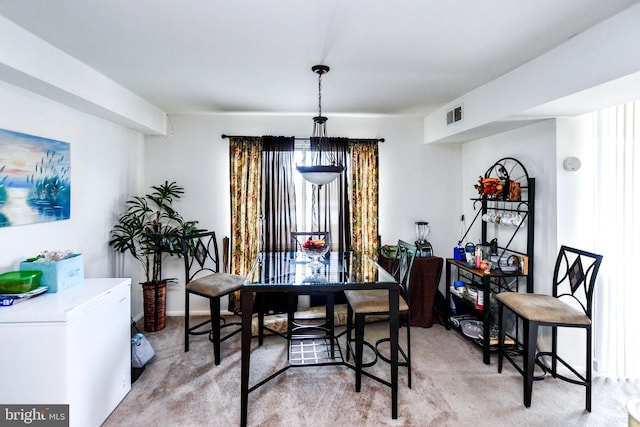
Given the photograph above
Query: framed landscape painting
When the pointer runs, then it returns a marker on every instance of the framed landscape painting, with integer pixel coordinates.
(35, 179)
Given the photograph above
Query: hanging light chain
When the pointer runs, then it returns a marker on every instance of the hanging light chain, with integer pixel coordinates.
(320, 94)
(319, 127)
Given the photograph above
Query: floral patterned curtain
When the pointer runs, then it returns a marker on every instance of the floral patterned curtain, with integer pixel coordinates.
(364, 197)
(245, 177)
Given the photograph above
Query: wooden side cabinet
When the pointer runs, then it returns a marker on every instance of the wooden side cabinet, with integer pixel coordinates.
(423, 286)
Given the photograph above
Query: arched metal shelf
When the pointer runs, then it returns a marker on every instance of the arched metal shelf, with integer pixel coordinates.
(511, 173)
(517, 198)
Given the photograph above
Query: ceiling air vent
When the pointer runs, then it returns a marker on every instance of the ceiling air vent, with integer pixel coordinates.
(454, 115)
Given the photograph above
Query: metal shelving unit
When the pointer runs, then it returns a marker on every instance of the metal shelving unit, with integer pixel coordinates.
(515, 197)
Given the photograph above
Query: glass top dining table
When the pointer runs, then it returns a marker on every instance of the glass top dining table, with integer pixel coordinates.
(287, 269)
(291, 273)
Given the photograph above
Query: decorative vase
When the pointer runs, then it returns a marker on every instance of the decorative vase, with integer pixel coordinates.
(155, 306)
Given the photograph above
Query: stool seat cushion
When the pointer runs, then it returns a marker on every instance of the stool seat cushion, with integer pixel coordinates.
(372, 301)
(543, 309)
(216, 284)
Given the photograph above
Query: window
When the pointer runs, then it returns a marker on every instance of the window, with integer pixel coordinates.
(307, 198)
(304, 190)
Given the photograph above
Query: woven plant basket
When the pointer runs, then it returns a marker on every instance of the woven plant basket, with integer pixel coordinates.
(155, 306)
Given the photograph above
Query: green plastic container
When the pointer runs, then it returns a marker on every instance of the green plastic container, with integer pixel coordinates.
(389, 251)
(19, 282)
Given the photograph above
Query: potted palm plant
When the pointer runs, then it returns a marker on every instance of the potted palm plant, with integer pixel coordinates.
(150, 230)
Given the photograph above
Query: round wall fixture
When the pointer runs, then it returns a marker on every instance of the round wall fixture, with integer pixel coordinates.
(571, 164)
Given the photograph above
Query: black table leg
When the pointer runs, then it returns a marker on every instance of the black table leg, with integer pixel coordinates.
(486, 318)
(261, 309)
(247, 308)
(394, 326)
(447, 281)
(329, 312)
(292, 302)
(359, 347)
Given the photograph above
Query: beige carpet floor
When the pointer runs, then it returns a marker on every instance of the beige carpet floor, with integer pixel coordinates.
(451, 387)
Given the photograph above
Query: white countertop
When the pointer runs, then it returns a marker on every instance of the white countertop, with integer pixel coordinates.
(64, 305)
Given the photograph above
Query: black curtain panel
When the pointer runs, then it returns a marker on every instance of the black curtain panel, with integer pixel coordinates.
(278, 193)
(278, 205)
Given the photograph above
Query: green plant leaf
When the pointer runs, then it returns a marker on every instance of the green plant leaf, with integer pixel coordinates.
(150, 229)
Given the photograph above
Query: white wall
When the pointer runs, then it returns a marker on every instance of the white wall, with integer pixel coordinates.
(575, 207)
(416, 180)
(106, 165)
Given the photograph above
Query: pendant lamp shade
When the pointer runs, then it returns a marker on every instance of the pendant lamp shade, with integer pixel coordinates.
(320, 174)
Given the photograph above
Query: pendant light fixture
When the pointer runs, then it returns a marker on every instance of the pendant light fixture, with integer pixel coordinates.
(320, 174)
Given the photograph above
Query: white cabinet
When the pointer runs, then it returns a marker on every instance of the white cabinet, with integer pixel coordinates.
(71, 347)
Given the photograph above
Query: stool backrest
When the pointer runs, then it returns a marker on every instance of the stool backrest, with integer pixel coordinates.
(575, 276)
(403, 265)
(200, 252)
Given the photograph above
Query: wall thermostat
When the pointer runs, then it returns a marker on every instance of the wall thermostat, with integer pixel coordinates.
(571, 164)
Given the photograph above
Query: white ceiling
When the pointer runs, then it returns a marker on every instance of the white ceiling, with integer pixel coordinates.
(386, 57)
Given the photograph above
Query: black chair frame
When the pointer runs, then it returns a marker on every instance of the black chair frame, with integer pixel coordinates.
(201, 258)
(401, 270)
(569, 271)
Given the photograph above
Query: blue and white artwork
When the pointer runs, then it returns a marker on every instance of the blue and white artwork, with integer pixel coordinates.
(35, 179)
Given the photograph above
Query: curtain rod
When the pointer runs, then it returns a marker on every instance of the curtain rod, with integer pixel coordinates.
(225, 136)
